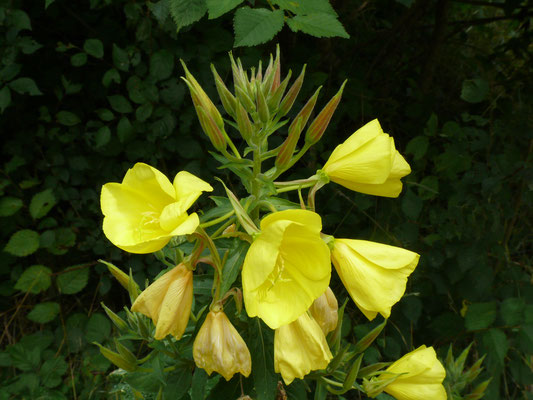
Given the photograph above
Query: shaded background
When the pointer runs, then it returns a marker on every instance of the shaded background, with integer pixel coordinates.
(94, 87)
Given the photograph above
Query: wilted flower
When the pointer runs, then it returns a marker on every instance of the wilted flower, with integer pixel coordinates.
(325, 311)
(299, 348)
(368, 162)
(416, 376)
(168, 302)
(374, 274)
(286, 268)
(145, 211)
(219, 347)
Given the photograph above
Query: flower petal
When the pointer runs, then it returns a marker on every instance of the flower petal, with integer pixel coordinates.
(151, 183)
(188, 188)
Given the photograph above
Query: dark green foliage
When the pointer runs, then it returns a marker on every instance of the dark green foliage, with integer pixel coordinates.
(88, 90)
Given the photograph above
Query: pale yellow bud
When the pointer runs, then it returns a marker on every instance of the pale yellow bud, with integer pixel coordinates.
(325, 311)
(219, 347)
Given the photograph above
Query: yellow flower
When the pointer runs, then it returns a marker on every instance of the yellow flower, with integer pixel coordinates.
(325, 311)
(219, 347)
(374, 274)
(168, 302)
(286, 268)
(420, 376)
(145, 211)
(299, 348)
(368, 162)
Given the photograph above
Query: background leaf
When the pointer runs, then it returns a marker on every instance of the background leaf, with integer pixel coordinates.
(42, 203)
(34, 279)
(44, 312)
(216, 8)
(73, 279)
(319, 25)
(23, 243)
(256, 25)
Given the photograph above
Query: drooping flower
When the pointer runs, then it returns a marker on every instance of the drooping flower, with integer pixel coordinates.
(299, 348)
(368, 162)
(418, 375)
(374, 274)
(219, 347)
(286, 268)
(145, 211)
(325, 311)
(168, 302)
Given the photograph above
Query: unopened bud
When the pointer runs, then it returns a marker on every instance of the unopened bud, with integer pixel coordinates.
(275, 98)
(227, 99)
(320, 123)
(369, 338)
(479, 391)
(286, 151)
(116, 358)
(325, 311)
(126, 354)
(119, 275)
(238, 73)
(245, 99)
(290, 97)
(277, 71)
(119, 322)
(230, 229)
(199, 97)
(262, 107)
(306, 111)
(243, 122)
(211, 129)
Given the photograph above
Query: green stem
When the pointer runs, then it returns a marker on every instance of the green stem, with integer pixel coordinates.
(295, 187)
(217, 220)
(294, 160)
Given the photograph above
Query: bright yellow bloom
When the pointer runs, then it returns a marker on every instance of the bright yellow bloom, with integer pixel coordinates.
(325, 311)
(374, 274)
(421, 377)
(286, 268)
(145, 211)
(368, 162)
(168, 302)
(219, 347)
(299, 348)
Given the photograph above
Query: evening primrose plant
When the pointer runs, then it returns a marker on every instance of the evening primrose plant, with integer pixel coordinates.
(244, 290)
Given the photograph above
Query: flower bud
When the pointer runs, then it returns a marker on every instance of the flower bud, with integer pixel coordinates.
(213, 132)
(277, 94)
(168, 302)
(320, 123)
(243, 122)
(262, 107)
(325, 311)
(219, 347)
(117, 359)
(306, 111)
(286, 150)
(227, 99)
(290, 97)
(119, 322)
(245, 99)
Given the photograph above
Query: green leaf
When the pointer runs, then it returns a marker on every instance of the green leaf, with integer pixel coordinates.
(110, 76)
(216, 8)
(303, 7)
(79, 59)
(160, 10)
(186, 12)
(5, 98)
(98, 328)
(105, 114)
(124, 130)
(67, 118)
(28, 45)
(47, 3)
(256, 25)
(34, 279)
(143, 112)
(9, 206)
(65, 238)
(261, 342)
(52, 370)
(161, 64)
(73, 279)
(20, 19)
(411, 205)
(120, 104)
(42, 203)
(94, 47)
(319, 25)
(120, 58)
(480, 315)
(198, 388)
(474, 90)
(44, 312)
(417, 146)
(23, 243)
(495, 341)
(102, 137)
(512, 310)
(233, 264)
(25, 85)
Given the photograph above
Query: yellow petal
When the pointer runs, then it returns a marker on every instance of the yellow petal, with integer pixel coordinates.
(311, 220)
(390, 188)
(188, 226)
(175, 308)
(219, 347)
(299, 348)
(189, 187)
(151, 183)
(172, 216)
(325, 311)
(374, 274)
(285, 270)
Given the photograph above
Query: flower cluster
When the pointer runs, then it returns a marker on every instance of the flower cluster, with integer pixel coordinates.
(286, 272)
